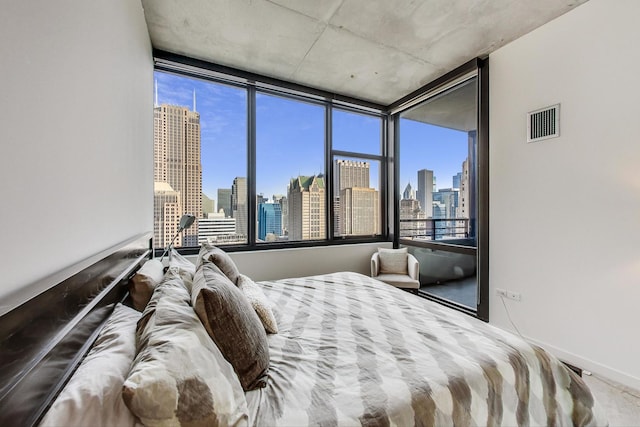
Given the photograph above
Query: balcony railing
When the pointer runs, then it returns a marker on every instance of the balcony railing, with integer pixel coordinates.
(434, 228)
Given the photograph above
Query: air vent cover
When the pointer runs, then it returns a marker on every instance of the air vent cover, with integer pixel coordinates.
(543, 123)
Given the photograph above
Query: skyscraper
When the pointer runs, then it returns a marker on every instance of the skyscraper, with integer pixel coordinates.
(457, 178)
(208, 206)
(167, 210)
(356, 205)
(224, 201)
(284, 209)
(359, 211)
(177, 163)
(269, 220)
(351, 173)
(307, 208)
(445, 206)
(425, 191)
(239, 204)
(409, 193)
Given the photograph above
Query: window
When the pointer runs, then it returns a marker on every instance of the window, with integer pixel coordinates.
(290, 178)
(438, 209)
(262, 166)
(357, 199)
(200, 161)
(437, 167)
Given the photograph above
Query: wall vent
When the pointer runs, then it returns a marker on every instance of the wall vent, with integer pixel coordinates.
(543, 123)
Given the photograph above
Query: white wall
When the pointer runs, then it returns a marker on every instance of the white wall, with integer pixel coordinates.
(565, 213)
(76, 98)
(299, 262)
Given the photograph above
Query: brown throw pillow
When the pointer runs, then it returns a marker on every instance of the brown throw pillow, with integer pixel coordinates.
(146, 279)
(232, 324)
(221, 259)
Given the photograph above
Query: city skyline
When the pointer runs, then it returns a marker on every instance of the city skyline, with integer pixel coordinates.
(284, 129)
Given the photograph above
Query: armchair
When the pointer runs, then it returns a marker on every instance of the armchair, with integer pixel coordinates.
(408, 280)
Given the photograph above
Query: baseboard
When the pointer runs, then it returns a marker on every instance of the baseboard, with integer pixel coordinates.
(589, 365)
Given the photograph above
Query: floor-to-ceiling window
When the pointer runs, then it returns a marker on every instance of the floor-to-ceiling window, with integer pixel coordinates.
(290, 176)
(439, 192)
(264, 166)
(200, 161)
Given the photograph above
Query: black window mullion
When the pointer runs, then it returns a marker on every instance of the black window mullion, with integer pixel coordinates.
(328, 170)
(251, 166)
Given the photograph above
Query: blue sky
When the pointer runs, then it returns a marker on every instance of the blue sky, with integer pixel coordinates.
(290, 138)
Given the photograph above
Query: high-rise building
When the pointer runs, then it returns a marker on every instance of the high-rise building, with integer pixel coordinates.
(426, 184)
(356, 205)
(167, 210)
(269, 220)
(306, 196)
(239, 204)
(359, 211)
(351, 173)
(217, 229)
(224, 201)
(177, 162)
(445, 206)
(410, 212)
(284, 209)
(208, 206)
(409, 193)
(464, 202)
(457, 179)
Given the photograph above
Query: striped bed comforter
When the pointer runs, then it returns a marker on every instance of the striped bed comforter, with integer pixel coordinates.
(354, 351)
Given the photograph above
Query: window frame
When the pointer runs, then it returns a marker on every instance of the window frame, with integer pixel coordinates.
(255, 84)
(480, 69)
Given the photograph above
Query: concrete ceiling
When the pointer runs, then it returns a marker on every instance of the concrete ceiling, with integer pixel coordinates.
(374, 50)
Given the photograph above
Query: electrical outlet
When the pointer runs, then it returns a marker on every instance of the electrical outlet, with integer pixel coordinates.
(508, 294)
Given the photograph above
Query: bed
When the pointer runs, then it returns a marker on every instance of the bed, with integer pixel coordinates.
(349, 350)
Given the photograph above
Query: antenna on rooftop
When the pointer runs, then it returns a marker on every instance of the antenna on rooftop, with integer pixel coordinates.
(194, 100)
(155, 100)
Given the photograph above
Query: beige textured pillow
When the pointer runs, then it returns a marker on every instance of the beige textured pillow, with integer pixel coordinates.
(143, 283)
(259, 302)
(232, 324)
(221, 259)
(179, 377)
(185, 268)
(393, 261)
(93, 395)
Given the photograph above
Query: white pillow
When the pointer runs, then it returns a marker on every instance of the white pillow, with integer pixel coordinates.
(143, 283)
(179, 377)
(259, 302)
(186, 269)
(93, 395)
(393, 261)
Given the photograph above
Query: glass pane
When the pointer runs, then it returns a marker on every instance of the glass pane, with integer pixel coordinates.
(290, 179)
(357, 133)
(200, 161)
(356, 203)
(448, 275)
(437, 167)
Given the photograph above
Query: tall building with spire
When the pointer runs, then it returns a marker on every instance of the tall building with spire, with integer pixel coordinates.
(306, 198)
(177, 163)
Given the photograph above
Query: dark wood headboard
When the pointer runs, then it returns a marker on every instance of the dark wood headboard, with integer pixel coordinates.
(43, 340)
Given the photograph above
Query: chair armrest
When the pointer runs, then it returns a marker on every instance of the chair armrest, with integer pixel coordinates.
(413, 267)
(375, 264)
